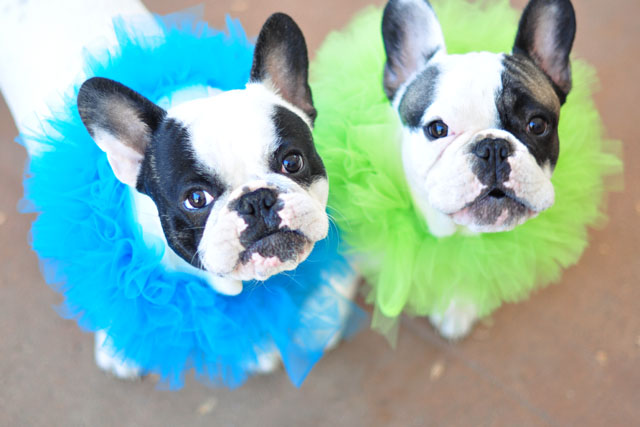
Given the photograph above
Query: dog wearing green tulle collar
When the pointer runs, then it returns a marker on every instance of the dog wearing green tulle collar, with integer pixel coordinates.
(479, 130)
(448, 176)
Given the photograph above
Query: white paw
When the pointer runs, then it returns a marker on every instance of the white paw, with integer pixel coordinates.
(112, 364)
(456, 322)
(267, 362)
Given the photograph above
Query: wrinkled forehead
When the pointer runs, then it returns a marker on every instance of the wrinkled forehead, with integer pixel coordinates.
(458, 89)
(233, 134)
(465, 90)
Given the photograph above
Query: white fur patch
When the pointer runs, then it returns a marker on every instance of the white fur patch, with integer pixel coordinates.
(108, 361)
(457, 320)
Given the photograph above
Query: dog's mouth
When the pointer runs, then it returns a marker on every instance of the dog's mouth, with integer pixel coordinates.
(271, 254)
(496, 193)
(496, 209)
(285, 245)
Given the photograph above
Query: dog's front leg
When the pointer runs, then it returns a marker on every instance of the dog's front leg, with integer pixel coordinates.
(457, 320)
(110, 362)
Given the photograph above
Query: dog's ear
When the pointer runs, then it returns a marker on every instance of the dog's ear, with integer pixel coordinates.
(545, 34)
(121, 122)
(280, 60)
(412, 36)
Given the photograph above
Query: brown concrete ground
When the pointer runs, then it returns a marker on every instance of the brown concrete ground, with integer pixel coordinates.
(569, 356)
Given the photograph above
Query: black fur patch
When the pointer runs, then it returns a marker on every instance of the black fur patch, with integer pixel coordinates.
(517, 105)
(419, 95)
(294, 136)
(170, 171)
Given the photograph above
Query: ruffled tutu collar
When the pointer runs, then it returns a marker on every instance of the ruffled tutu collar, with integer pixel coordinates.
(93, 252)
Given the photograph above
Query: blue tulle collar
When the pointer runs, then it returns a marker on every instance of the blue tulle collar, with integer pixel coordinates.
(94, 253)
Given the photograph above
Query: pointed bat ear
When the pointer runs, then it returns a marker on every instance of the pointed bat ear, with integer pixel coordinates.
(280, 60)
(121, 122)
(545, 34)
(412, 36)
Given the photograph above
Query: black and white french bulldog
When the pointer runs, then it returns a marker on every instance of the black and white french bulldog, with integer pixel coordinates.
(480, 130)
(232, 182)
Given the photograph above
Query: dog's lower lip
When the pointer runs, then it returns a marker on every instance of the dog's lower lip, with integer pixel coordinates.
(245, 256)
(498, 194)
(273, 233)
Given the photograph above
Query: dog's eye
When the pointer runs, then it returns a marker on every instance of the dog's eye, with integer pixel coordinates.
(437, 129)
(537, 126)
(197, 200)
(292, 163)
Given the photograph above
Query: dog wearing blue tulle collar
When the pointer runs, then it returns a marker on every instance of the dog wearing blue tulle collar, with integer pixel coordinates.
(182, 210)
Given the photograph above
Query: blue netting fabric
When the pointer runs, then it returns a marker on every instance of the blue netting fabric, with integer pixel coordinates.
(93, 252)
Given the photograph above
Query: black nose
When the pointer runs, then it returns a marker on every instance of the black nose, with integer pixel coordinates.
(493, 150)
(492, 162)
(257, 203)
(259, 209)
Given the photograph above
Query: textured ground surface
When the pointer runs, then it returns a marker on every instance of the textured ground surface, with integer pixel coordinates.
(569, 356)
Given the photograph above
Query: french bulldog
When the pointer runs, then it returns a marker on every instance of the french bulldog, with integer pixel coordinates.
(231, 182)
(480, 130)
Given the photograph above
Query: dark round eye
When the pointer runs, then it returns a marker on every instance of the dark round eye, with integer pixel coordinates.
(537, 126)
(437, 129)
(197, 199)
(292, 163)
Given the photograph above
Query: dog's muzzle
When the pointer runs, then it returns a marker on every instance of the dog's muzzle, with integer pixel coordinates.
(264, 234)
(498, 207)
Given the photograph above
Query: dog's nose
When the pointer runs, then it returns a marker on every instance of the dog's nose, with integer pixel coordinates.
(492, 164)
(259, 205)
(493, 151)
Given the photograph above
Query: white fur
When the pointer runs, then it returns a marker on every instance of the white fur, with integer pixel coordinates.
(108, 361)
(41, 49)
(457, 320)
